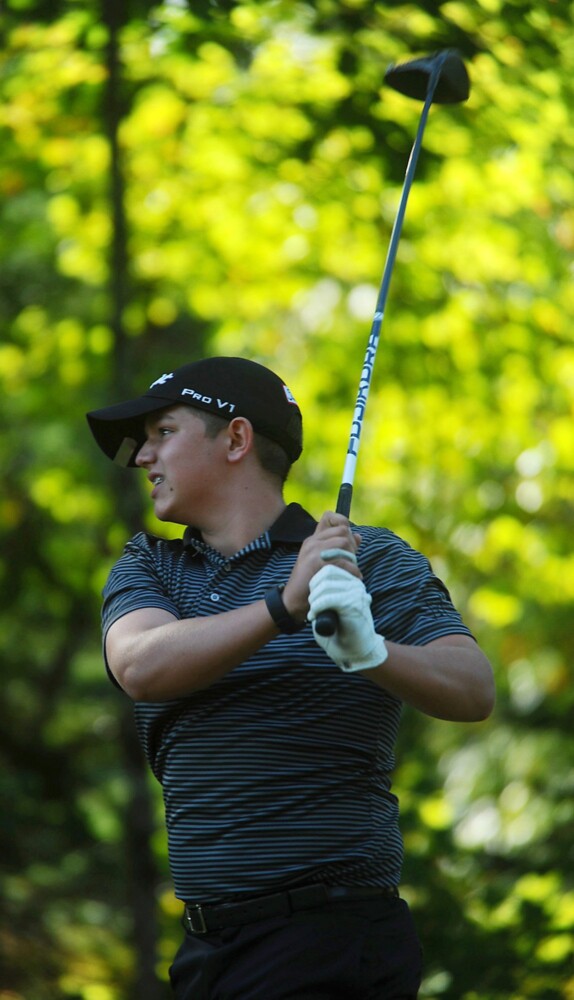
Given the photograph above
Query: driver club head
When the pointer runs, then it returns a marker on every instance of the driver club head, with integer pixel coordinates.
(412, 78)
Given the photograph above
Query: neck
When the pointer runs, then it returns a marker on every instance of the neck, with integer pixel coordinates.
(246, 519)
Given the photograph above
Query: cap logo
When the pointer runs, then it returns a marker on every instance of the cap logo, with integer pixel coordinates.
(289, 396)
(162, 379)
(222, 404)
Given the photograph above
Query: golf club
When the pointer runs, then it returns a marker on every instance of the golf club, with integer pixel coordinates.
(440, 78)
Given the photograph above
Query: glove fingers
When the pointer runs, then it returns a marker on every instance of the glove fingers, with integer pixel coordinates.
(329, 597)
(330, 572)
(333, 580)
(333, 588)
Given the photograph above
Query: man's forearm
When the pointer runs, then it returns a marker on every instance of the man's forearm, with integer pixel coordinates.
(155, 657)
(449, 678)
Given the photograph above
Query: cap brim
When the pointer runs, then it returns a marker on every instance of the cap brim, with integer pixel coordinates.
(119, 429)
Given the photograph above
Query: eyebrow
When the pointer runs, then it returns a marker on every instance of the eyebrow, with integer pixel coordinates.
(155, 418)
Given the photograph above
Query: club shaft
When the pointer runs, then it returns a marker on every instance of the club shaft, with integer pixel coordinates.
(346, 489)
(326, 623)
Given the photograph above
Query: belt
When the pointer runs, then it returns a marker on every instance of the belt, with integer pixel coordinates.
(200, 919)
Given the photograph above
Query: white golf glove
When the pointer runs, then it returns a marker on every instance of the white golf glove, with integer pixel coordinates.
(355, 645)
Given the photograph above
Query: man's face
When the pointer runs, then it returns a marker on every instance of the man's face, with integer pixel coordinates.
(182, 464)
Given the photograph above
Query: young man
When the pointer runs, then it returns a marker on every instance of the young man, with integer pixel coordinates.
(274, 745)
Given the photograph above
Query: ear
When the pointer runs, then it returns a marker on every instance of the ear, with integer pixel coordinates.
(240, 437)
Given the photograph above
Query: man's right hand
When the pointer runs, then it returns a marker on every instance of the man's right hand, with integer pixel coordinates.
(332, 533)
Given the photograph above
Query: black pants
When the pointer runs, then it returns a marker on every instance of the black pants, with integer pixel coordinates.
(365, 950)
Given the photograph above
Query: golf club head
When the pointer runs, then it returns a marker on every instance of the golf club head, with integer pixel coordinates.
(412, 78)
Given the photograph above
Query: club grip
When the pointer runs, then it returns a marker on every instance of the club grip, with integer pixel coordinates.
(327, 623)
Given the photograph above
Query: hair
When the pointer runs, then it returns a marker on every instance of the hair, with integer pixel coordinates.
(272, 458)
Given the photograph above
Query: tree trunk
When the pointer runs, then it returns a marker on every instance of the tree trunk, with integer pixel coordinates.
(140, 867)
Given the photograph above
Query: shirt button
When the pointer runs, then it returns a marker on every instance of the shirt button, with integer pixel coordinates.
(214, 597)
(227, 567)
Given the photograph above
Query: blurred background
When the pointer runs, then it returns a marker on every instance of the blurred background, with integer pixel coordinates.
(193, 178)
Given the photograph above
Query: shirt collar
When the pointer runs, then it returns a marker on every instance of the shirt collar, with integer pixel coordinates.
(293, 525)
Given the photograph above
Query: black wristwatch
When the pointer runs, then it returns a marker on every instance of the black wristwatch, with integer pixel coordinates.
(283, 620)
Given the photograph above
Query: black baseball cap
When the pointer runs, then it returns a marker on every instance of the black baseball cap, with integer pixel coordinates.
(228, 387)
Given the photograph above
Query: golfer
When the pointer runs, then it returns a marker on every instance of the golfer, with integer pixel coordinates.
(273, 745)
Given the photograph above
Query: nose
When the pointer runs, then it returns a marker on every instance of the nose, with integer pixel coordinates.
(144, 455)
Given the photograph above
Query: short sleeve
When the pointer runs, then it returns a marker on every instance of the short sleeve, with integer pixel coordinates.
(411, 605)
(135, 582)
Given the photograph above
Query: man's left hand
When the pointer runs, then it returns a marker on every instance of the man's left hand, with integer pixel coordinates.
(356, 645)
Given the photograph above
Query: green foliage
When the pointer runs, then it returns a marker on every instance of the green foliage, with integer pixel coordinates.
(262, 161)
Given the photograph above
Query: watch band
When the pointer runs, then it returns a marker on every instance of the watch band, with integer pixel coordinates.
(283, 620)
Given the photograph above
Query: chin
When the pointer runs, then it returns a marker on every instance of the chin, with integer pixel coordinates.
(170, 517)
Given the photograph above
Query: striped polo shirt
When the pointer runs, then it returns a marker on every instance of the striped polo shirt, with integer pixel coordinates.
(279, 773)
